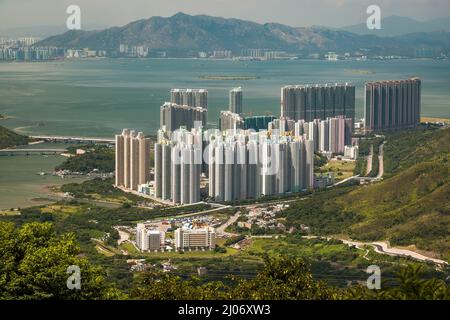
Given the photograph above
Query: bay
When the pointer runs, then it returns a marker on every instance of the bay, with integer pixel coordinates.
(21, 185)
(99, 97)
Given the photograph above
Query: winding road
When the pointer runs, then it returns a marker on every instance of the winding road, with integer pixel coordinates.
(380, 161)
(369, 161)
(383, 247)
(221, 230)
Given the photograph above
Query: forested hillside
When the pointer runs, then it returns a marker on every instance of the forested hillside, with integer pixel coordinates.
(409, 207)
(9, 138)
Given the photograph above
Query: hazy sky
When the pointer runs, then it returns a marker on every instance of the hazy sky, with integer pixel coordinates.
(23, 13)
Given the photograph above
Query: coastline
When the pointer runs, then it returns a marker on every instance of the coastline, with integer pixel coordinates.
(434, 119)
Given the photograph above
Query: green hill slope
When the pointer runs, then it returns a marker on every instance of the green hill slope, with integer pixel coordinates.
(9, 138)
(410, 207)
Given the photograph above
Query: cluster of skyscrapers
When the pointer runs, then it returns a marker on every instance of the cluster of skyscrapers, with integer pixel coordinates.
(257, 156)
(190, 97)
(133, 51)
(239, 162)
(186, 108)
(30, 53)
(229, 120)
(251, 164)
(392, 105)
(238, 165)
(178, 166)
(25, 49)
(329, 136)
(233, 118)
(132, 160)
(174, 116)
(309, 102)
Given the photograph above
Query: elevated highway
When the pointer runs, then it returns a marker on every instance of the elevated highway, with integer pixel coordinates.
(13, 152)
(74, 139)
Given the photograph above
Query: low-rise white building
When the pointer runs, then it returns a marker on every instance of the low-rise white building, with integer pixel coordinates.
(148, 238)
(195, 238)
(351, 152)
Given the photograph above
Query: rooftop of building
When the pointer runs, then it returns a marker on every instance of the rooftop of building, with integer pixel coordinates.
(318, 85)
(179, 106)
(188, 90)
(413, 79)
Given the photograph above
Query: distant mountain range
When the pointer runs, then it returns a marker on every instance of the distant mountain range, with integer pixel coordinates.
(184, 34)
(397, 26)
(41, 31)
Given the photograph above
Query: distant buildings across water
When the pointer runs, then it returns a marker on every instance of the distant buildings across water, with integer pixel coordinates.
(28, 49)
(309, 102)
(252, 157)
(392, 105)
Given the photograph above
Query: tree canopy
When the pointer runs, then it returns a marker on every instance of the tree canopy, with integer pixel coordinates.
(34, 262)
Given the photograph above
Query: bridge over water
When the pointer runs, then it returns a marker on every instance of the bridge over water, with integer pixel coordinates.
(13, 152)
(74, 139)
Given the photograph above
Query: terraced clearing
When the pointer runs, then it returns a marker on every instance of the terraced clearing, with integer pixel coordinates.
(342, 169)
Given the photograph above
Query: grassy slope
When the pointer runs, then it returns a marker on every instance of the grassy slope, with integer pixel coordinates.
(410, 207)
(9, 138)
(412, 147)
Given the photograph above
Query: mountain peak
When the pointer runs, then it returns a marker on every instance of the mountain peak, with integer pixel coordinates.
(397, 26)
(186, 35)
(180, 15)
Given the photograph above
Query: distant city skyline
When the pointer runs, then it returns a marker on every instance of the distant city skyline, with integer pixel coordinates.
(297, 13)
